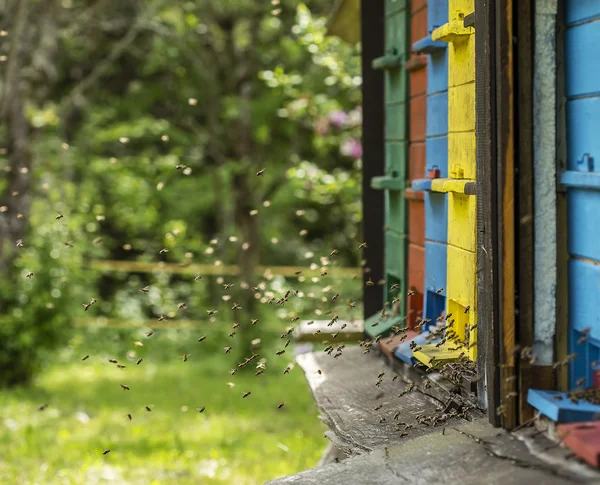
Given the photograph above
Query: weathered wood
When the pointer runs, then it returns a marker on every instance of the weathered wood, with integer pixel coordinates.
(320, 330)
(487, 297)
(524, 141)
(346, 396)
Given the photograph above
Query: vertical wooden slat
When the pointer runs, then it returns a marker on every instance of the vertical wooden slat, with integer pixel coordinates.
(506, 193)
(524, 143)
(372, 31)
(487, 341)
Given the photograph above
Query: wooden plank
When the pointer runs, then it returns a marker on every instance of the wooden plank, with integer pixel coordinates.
(506, 221)
(347, 398)
(524, 228)
(487, 341)
(372, 33)
(321, 330)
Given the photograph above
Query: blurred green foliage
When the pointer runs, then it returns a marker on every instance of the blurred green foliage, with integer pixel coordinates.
(120, 94)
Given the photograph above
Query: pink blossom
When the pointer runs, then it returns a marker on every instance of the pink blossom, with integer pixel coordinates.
(351, 148)
(322, 126)
(338, 118)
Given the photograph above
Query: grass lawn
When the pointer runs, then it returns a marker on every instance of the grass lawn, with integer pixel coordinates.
(235, 441)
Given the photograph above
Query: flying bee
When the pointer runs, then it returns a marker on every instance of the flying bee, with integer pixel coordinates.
(69, 244)
(395, 286)
(236, 307)
(335, 297)
(150, 333)
(161, 318)
(298, 273)
(246, 394)
(182, 306)
(198, 278)
(580, 381)
(19, 243)
(281, 404)
(512, 395)
(106, 452)
(202, 339)
(235, 325)
(227, 350)
(59, 217)
(163, 251)
(363, 245)
(145, 289)
(334, 252)
(232, 334)
(201, 410)
(180, 167)
(410, 293)
(29, 275)
(369, 282)
(259, 372)
(139, 361)
(287, 369)
(42, 407)
(86, 306)
(295, 319)
(130, 417)
(120, 366)
(85, 357)
(112, 361)
(437, 292)
(254, 321)
(125, 388)
(228, 285)
(324, 273)
(281, 352)
(211, 312)
(233, 371)
(260, 172)
(256, 289)
(287, 342)
(310, 322)
(186, 357)
(148, 409)
(395, 377)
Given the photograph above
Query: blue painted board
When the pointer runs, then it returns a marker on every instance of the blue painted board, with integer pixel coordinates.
(435, 306)
(582, 10)
(437, 153)
(421, 184)
(581, 180)
(435, 266)
(437, 13)
(583, 210)
(437, 72)
(427, 45)
(588, 351)
(437, 115)
(403, 351)
(582, 59)
(583, 128)
(562, 410)
(436, 217)
(584, 292)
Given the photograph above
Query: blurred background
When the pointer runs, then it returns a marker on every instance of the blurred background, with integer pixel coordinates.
(131, 135)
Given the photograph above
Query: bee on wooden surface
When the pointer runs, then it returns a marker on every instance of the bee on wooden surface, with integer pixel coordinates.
(439, 290)
(139, 361)
(246, 394)
(260, 172)
(227, 350)
(145, 289)
(201, 410)
(125, 388)
(467, 309)
(281, 404)
(106, 452)
(377, 408)
(228, 285)
(236, 307)
(85, 357)
(148, 409)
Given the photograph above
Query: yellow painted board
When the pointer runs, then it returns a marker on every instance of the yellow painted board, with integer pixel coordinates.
(461, 153)
(430, 354)
(461, 109)
(453, 31)
(462, 221)
(459, 186)
(465, 6)
(462, 278)
(461, 60)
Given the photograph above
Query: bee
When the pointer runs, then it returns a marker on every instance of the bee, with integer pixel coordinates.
(125, 388)
(198, 278)
(112, 361)
(580, 381)
(180, 167)
(351, 304)
(395, 286)
(139, 361)
(186, 357)
(120, 366)
(256, 289)
(246, 394)
(236, 307)
(86, 306)
(512, 395)
(254, 321)
(98, 240)
(232, 334)
(287, 369)
(319, 371)
(29, 275)
(148, 409)
(437, 292)
(163, 251)
(260, 172)
(295, 319)
(410, 293)
(42, 407)
(259, 372)
(501, 409)
(363, 245)
(59, 217)
(227, 350)
(202, 339)
(467, 309)
(19, 243)
(395, 377)
(201, 410)
(106, 452)
(298, 273)
(324, 273)
(281, 352)
(369, 282)
(235, 325)
(317, 332)
(85, 357)
(69, 244)
(334, 252)
(287, 342)
(335, 297)
(150, 333)
(281, 404)
(130, 417)
(377, 408)
(161, 318)
(228, 285)
(473, 327)
(145, 289)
